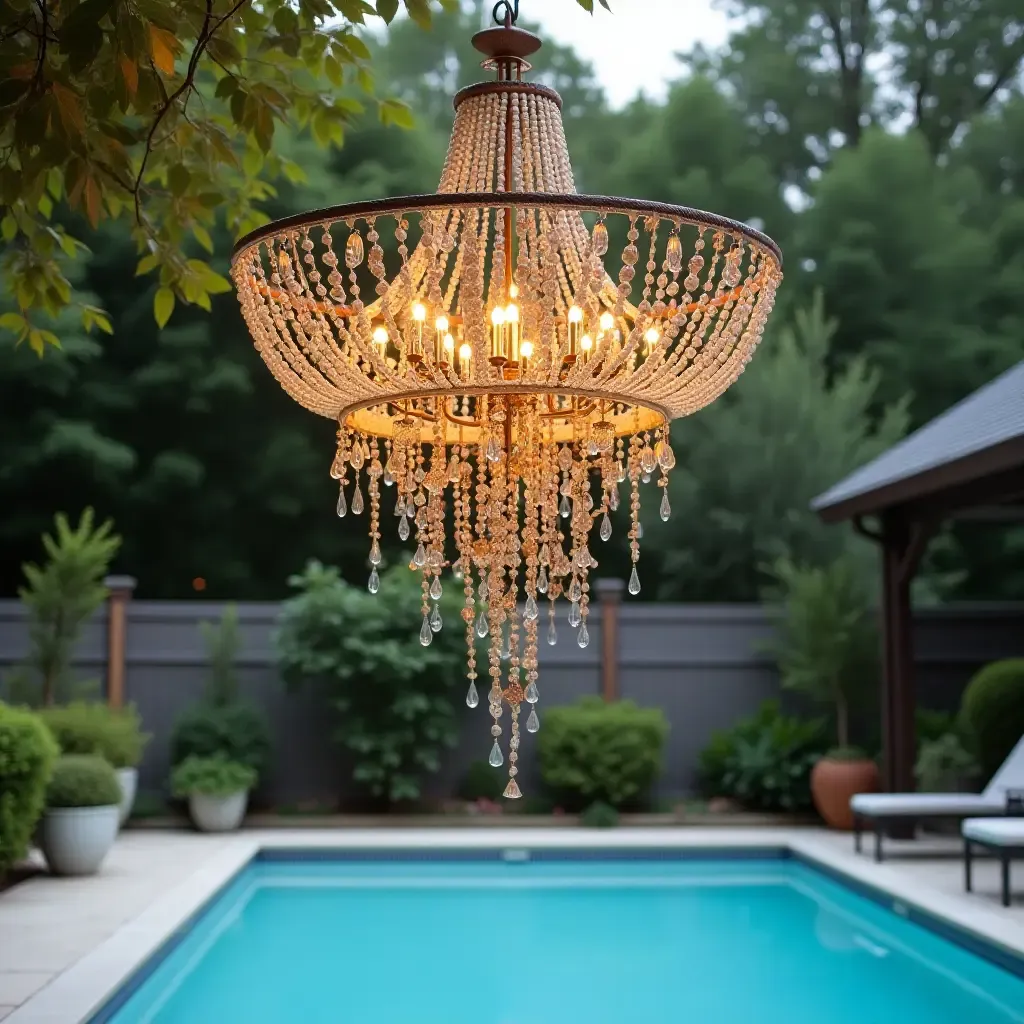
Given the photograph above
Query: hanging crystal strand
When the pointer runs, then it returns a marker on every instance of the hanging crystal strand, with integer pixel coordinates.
(634, 512)
(495, 593)
(531, 539)
(375, 472)
(436, 481)
(464, 542)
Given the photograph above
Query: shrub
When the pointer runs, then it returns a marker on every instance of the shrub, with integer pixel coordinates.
(764, 762)
(115, 734)
(944, 765)
(83, 780)
(482, 782)
(395, 699)
(27, 756)
(931, 725)
(211, 776)
(598, 751)
(237, 731)
(992, 712)
(599, 815)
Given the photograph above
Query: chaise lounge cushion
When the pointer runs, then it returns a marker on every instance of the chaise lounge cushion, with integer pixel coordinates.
(995, 831)
(925, 805)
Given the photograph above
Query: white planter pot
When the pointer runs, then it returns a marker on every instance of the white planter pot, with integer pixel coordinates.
(128, 780)
(218, 813)
(75, 840)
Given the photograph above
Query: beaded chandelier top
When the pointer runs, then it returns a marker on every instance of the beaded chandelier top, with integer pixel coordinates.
(499, 377)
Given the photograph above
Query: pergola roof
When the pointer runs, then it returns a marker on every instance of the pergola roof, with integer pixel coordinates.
(979, 439)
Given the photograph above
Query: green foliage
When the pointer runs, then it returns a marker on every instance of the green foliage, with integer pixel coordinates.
(992, 711)
(788, 430)
(482, 782)
(594, 751)
(82, 780)
(237, 731)
(931, 725)
(827, 643)
(211, 776)
(222, 646)
(763, 762)
(395, 699)
(82, 727)
(944, 765)
(61, 595)
(599, 815)
(27, 757)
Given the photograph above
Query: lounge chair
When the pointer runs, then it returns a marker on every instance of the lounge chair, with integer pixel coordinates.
(1003, 835)
(879, 808)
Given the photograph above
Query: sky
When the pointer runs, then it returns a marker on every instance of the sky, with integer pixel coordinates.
(632, 49)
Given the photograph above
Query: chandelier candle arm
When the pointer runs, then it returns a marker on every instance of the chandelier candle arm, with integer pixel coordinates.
(499, 378)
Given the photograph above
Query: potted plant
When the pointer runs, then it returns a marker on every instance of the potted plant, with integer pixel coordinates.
(81, 818)
(826, 650)
(115, 734)
(217, 790)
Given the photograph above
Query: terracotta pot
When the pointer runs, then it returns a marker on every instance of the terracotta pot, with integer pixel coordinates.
(834, 783)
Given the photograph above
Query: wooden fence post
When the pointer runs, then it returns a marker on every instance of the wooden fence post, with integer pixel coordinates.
(121, 588)
(609, 593)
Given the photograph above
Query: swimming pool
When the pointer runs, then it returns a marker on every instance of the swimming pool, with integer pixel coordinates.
(528, 939)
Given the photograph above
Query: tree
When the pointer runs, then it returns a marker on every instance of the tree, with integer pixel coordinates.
(163, 115)
(754, 461)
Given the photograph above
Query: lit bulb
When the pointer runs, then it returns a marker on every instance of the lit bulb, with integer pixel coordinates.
(449, 344)
(512, 313)
(380, 336)
(526, 349)
(513, 291)
(586, 343)
(419, 312)
(607, 321)
(441, 324)
(652, 336)
(575, 314)
(497, 316)
(465, 352)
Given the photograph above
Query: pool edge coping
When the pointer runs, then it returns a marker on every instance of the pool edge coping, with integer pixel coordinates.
(90, 986)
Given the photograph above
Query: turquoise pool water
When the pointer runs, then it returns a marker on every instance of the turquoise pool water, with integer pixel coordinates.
(561, 942)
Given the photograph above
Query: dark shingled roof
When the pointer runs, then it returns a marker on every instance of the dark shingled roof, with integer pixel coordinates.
(981, 435)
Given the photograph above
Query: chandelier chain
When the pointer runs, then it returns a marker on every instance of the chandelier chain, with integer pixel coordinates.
(506, 12)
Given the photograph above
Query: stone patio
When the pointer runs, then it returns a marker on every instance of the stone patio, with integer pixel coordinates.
(66, 943)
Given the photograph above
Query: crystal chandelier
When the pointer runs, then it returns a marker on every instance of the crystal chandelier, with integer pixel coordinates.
(500, 379)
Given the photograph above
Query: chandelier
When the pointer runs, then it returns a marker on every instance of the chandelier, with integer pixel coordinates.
(510, 389)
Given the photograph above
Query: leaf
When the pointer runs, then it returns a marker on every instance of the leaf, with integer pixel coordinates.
(365, 79)
(13, 322)
(396, 113)
(163, 306)
(162, 47)
(387, 9)
(82, 18)
(8, 228)
(147, 264)
(356, 47)
(129, 73)
(419, 11)
(203, 237)
(93, 201)
(178, 178)
(69, 109)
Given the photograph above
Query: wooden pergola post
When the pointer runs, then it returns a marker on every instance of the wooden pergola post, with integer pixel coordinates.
(609, 593)
(120, 593)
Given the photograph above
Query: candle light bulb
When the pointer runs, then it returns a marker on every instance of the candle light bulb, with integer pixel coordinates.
(607, 321)
(419, 312)
(497, 316)
(465, 353)
(512, 313)
(652, 336)
(513, 291)
(441, 323)
(380, 336)
(575, 314)
(586, 343)
(526, 349)
(449, 344)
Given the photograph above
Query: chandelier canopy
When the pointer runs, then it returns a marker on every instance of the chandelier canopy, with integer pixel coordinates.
(499, 377)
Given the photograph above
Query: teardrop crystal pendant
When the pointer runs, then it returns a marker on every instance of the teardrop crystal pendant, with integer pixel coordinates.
(342, 504)
(374, 582)
(435, 619)
(575, 590)
(639, 531)
(400, 506)
(472, 697)
(375, 554)
(420, 558)
(435, 589)
(606, 527)
(493, 451)
(530, 610)
(403, 528)
(613, 499)
(357, 501)
(532, 695)
(354, 250)
(634, 582)
(666, 508)
(674, 254)
(552, 634)
(426, 633)
(512, 790)
(497, 758)
(574, 614)
(482, 625)
(506, 647)
(533, 722)
(542, 581)
(583, 636)
(357, 456)
(600, 238)
(565, 509)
